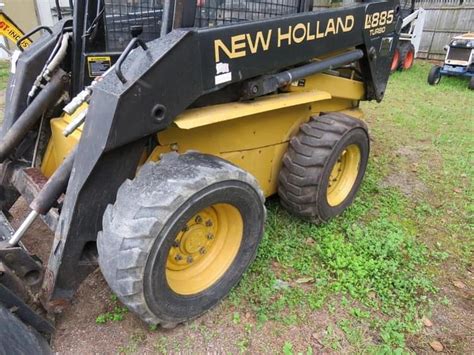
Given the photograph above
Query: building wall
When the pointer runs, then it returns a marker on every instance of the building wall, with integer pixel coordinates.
(47, 11)
(23, 13)
(28, 14)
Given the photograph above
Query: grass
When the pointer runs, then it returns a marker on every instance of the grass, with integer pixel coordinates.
(377, 255)
(4, 73)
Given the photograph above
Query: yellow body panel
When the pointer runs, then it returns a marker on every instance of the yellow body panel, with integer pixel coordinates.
(333, 85)
(253, 135)
(219, 113)
(59, 146)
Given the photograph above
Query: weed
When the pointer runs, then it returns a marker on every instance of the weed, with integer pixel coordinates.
(287, 348)
(236, 318)
(116, 314)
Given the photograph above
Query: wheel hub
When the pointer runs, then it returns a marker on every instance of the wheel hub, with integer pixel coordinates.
(343, 175)
(194, 240)
(204, 249)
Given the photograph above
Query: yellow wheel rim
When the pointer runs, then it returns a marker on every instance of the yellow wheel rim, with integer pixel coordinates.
(204, 249)
(343, 175)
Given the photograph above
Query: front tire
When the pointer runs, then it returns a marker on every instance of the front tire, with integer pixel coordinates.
(324, 167)
(18, 338)
(434, 77)
(471, 83)
(180, 236)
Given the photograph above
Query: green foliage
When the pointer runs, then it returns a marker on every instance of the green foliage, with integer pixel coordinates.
(287, 348)
(4, 73)
(116, 314)
(370, 254)
(373, 254)
(236, 317)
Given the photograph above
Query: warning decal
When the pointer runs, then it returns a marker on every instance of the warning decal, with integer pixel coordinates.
(98, 65)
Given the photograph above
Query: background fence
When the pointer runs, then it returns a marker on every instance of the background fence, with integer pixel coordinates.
(444, 20)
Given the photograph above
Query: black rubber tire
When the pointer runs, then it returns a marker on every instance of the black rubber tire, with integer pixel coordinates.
(17, 338)
(471, 83)
(434, 77)
(140, 228)
(406, 49)
(395, 60)
(309, 160)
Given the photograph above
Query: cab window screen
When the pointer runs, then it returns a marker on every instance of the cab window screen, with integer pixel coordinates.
(221, 12)
(122, 15)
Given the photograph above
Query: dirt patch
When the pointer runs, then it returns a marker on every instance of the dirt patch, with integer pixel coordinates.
(407, 183)
(405, 180)
(452, 323)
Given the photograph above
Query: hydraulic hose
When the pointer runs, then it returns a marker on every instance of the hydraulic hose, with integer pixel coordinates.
(45, 99)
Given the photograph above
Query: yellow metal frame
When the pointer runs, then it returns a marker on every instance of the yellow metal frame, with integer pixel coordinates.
(253, 135)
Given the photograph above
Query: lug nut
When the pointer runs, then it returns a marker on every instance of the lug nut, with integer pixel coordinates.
(209, 223)
(178, 257)
(189, 259)
(198, 219)
(210, 236)
(202, 251)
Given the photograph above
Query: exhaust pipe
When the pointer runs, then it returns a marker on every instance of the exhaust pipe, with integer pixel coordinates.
(45, 99)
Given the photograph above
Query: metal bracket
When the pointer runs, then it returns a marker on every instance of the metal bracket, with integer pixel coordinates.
(31, 33)
(26, 266)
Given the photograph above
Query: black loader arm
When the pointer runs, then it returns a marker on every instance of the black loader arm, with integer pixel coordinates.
(160, 80)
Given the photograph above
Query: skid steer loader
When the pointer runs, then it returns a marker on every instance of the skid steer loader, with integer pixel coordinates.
(146, 134)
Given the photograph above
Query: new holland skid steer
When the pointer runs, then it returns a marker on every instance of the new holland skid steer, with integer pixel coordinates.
(146, 134)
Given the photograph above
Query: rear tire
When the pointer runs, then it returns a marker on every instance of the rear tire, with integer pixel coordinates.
(395, 60)
(434, 77)
(471, 83)
(324, 166)
(180, 235)
(407, 56)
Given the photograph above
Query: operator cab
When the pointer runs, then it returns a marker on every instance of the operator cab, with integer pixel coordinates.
(110, 25)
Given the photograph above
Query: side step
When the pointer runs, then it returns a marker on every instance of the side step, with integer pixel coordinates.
(29, 182)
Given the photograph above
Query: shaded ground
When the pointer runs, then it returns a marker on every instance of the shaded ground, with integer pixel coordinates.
(394, 273)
